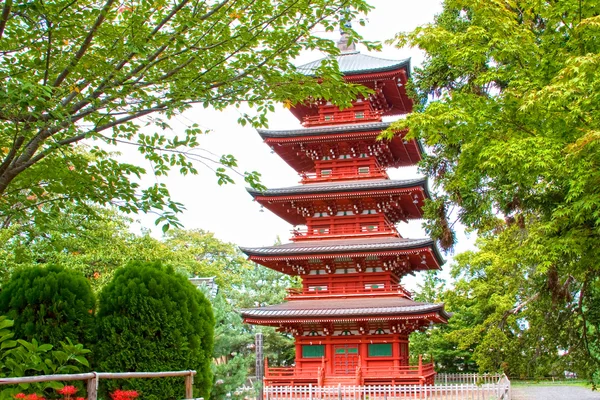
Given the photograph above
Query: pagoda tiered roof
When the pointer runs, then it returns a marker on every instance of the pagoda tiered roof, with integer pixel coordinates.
(374, 185)
(374, 127)
(356, 63)
(301, 147)
(367, 246)
(387, 79)
(405, 255)
(348, 309)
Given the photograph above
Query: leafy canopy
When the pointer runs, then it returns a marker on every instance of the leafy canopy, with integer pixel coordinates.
(508, 109)
(102, 70)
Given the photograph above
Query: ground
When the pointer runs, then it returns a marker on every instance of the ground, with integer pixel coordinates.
(553, 393)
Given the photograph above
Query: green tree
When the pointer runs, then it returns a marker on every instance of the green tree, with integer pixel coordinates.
(102, 70)
(153, 319)
(440, 341)
(50, 304)
(507, 99)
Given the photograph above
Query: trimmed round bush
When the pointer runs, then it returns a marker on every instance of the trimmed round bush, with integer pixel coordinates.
(151, 319)
(50, 304)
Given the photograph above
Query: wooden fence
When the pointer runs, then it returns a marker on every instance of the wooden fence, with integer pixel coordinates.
(498, 389)
(92, 379)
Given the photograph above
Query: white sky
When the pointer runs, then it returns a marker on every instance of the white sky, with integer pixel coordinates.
(229, 210)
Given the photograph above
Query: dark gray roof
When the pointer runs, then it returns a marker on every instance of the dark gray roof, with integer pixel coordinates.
(347, 128)
(346, 307)
(354, 63)
(342, 246)
(330, 187)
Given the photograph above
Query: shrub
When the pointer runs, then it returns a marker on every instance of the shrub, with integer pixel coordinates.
(49, 304)
(152, 319)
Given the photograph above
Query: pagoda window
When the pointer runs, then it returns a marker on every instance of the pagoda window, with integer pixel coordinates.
(313, 351)
(369, 228)
(313, 333)
(369, 212)
(346, 333)
(322, 288)
(320, 230)
(374, 286)
(374, 269)
(363, 155)
(380, 350)
(344, 213)
(363, 170)
(328, 117)
(359, 115)
(345, 271)
(380, 332)
(344, 156)
(317, 272)
(325, 172)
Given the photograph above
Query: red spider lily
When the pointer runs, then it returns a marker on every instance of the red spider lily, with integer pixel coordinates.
(20, 396)
(124, 394)
(68, 391)
(34, 396)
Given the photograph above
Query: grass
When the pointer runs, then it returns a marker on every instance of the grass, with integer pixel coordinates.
(556, 382)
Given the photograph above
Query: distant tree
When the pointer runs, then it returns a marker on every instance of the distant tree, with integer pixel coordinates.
(153, 319)
(507, 100)
(440, 341)
(50, 304)
(101, 70)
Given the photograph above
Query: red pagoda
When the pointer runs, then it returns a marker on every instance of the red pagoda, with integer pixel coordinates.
(351, 319)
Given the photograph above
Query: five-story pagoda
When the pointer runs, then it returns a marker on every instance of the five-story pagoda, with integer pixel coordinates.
(352, 317)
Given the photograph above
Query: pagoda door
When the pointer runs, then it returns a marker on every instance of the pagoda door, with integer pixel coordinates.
(345, 358)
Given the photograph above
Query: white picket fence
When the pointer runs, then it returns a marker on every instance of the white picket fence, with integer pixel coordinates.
(498, 390)
(473, 378)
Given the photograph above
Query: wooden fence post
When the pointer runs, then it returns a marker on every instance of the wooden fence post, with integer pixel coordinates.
(92, 387)
(189, 385)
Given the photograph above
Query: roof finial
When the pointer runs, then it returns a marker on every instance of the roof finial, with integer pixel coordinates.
(342, 44)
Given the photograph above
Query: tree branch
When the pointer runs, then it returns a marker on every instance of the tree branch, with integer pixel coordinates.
(5, 15)
(86, 43)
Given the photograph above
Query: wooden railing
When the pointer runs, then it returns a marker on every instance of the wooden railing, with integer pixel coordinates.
(92, 379)
(309, 177)
(341, 228)
(385, 289)
(408, 372)
(342, 117)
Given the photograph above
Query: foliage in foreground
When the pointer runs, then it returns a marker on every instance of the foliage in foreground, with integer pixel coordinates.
(22, 358)
(152, 319)
(50, 304)
(508, 104)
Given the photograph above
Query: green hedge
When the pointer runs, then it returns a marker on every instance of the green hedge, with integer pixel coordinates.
(50, 304)
(152, 319)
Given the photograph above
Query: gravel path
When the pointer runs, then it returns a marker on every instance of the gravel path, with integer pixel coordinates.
(553, 393)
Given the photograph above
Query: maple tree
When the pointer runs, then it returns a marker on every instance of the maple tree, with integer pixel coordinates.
(507, 104)
(77, 76)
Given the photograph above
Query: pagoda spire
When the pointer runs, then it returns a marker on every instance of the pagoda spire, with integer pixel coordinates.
(343, 44)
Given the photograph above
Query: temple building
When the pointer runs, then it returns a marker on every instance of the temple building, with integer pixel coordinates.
(351, 319)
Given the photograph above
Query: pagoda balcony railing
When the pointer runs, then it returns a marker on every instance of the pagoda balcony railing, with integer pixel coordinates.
(370, 289)
(411, 373)
(309, 177)
(342, 231)
(342, 117)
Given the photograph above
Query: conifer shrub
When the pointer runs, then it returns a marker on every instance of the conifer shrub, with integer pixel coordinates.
(50, 304)
(152, 319)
